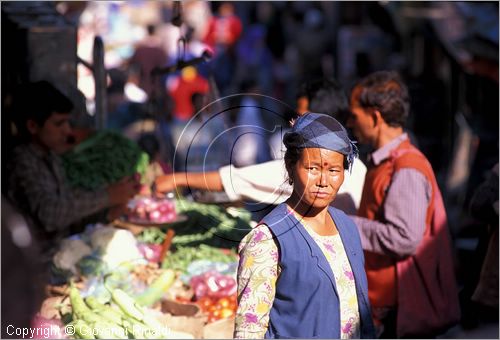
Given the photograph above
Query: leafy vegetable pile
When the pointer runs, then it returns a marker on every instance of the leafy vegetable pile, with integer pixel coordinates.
(102, 159)
(184, 256)
(207, 224)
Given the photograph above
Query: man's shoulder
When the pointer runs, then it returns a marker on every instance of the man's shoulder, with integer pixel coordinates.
(26, 156)
(21, 152)
(410, 157)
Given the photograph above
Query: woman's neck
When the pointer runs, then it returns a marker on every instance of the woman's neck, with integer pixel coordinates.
(317, 218)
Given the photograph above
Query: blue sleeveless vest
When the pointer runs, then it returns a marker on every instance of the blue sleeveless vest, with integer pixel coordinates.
(306, 304)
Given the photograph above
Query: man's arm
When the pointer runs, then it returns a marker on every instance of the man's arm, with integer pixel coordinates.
(265, 182)
(209, 181)
(57, 206)
(405, 211)
(56, 209)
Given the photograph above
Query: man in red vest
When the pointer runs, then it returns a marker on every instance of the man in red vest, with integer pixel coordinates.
(401, 218)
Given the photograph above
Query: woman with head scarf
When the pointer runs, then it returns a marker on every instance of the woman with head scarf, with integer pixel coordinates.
(301, 271)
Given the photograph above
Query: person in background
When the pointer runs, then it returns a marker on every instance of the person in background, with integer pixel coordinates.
(148, 55)
(224, 28)
(122, 112)
(221, 35)
(37, 183)
(249, 142)
(252, 182)
(401, 219)
(181, 89)
(301, 270)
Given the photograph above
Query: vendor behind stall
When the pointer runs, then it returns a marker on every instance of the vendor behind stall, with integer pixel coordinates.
(37, 183)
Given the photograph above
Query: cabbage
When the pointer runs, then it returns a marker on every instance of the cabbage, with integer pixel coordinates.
(70, 252)
(116, 246)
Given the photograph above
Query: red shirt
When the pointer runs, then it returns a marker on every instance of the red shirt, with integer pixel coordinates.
(181, 93)
(223, 30)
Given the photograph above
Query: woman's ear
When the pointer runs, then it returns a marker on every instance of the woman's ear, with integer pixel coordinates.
(32, 126)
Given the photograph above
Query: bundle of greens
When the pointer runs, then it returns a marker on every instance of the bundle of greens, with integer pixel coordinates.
(103, 158)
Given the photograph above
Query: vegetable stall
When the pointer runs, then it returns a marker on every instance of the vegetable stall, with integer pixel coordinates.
(167, 270)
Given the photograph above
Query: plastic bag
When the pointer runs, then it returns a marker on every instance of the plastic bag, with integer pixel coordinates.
(199, 267)
(213, 284)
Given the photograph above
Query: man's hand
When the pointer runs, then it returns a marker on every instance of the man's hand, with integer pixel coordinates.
(166, 183)
(123, 190)
(117, 211)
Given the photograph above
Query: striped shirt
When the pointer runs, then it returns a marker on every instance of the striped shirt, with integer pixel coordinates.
(37, 185)
(404, 210)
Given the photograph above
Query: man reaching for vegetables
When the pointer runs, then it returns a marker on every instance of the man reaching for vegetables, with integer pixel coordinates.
(37, 183)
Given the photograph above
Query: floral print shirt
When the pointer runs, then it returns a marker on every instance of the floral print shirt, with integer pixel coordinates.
(259, 270)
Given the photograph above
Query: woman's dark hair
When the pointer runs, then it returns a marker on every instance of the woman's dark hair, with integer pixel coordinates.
(326, 96)
(385, 92)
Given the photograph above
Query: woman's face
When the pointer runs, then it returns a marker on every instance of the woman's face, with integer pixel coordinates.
(317, 176)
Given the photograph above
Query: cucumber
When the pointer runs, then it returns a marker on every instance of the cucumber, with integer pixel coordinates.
(156, 290)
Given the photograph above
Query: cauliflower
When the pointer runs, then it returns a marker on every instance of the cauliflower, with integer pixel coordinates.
(70, 252)
(115, 245)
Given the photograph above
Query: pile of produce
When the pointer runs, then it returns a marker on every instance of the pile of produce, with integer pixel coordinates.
(207, 224)
(217, 309)
(122, 284)
(184, 256)
(149, 209)
(96, 252)
(103, 158)
(122, 318)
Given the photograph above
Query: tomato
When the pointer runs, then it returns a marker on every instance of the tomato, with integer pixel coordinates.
(226, 313)
(233, 306)
(224, 302)
(216, 307)
(205, 303)
(217, 314)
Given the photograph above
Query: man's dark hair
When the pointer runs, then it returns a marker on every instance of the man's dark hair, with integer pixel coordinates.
(385, 92)
(326, 96)
(38, 100)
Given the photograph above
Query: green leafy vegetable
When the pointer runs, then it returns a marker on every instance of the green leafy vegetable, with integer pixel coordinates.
(102, 159)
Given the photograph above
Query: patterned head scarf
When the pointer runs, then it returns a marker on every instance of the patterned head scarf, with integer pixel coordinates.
(316, 130)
